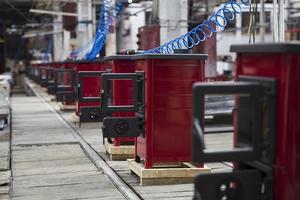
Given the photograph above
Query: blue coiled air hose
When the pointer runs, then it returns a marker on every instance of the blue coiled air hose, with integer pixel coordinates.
(206, 29)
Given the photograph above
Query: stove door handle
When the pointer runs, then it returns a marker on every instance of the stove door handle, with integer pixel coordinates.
(244, 151)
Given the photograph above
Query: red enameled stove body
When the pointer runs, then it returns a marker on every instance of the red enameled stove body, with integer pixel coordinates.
(281, 62)
(67, 77)
(168, 106)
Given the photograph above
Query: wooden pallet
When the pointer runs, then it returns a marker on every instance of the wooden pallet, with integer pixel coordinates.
(64, 107)
(75, 118)
(44, 89)
(122, 152)
(5, 179)
(165, 175)
(49, 98)
(52, 97)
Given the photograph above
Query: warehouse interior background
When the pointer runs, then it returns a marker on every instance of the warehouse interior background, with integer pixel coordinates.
(34, 31)
(149, 99)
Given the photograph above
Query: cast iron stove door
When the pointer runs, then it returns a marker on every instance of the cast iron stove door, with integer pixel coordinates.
(65, 92)
(123, 126)
(89, 113)
(253, 148)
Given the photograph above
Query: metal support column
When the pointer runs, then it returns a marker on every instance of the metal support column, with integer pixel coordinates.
(262, 21)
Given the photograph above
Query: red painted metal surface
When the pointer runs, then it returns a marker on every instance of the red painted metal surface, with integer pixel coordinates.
(122, 90)
(67, 78)
(55, 65)
(91, 86)
(43, 71)
(285, 68)
(168, 108)
(149, 37)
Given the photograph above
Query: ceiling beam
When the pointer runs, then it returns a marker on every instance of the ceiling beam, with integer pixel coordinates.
(50, 12)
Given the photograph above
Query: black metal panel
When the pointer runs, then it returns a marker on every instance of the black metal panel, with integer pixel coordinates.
(98, 60)
(51, 89)
(256, 122)
(269, 113)
(91, 114)
(71, 71)
(123, 126)
(65, 92)
(250, 149)
(172, 56)
(63, 96)
(43, 82)
(120, 127)
(50, 77)
(237, 185)
(105, 96)
(119, 57)
(292, 47)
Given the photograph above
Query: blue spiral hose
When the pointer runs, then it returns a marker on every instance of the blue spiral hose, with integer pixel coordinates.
(216, 22)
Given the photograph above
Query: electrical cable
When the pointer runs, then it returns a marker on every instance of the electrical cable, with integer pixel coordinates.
(106, 19)
(48, 51)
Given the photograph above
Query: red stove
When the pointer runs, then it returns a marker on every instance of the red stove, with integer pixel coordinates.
(267, 133)
(88, 90)
(47, 74)
(51, 77)
(162, 88)
(65, 83)
(36, 73)
(43, 71)
(122, 90)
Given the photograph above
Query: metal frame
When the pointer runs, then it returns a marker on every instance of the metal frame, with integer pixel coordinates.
(123, 126)
(82, 75)
(249, 151)
(73, 77)
(62, 93)
(255, 168)
(136, 77)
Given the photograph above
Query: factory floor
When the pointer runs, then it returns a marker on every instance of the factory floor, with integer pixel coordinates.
(48, 161)
(52, 158)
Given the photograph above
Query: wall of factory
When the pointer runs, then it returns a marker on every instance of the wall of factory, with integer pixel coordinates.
(128, 27)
